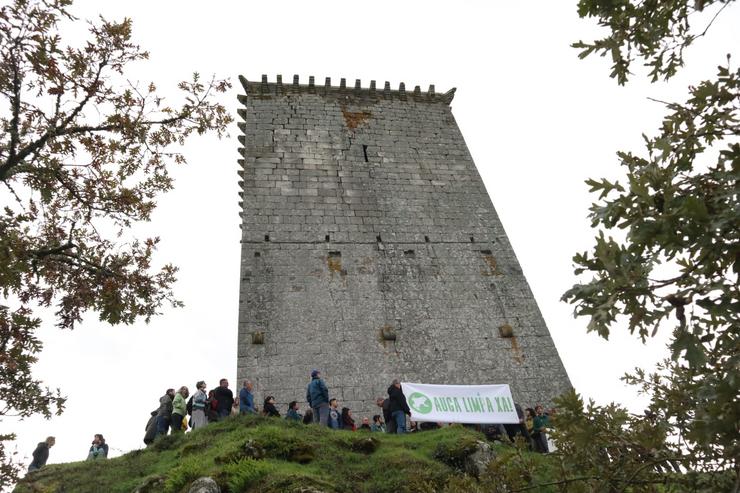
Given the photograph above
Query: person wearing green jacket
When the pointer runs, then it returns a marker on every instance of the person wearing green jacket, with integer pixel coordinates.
(541, 422)
(179, 409)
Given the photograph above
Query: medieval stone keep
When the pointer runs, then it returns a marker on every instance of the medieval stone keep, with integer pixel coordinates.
(371, 251)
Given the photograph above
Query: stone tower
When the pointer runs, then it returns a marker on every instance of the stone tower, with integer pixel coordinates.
(371, 250)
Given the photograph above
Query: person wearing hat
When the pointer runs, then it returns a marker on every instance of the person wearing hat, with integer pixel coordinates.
(317, 396)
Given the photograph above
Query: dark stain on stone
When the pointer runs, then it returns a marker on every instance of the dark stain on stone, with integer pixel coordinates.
(506, 331)
(490, 261)
(516, 350)
(354, 119)
(334, 262)
(388, 333)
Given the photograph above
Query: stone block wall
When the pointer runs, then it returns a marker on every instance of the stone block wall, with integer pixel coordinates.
(371, 251)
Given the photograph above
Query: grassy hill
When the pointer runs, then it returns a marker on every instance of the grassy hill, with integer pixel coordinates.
(246, 454)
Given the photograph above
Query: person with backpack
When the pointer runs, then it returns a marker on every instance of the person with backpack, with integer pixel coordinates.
(196, 406)
(179, 409)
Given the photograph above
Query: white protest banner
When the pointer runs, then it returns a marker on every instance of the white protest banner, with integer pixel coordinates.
(460, 403)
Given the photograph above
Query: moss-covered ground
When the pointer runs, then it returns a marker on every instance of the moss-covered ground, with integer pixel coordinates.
(246, 454)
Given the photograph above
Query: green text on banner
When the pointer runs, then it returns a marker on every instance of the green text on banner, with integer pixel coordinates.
(484, 404)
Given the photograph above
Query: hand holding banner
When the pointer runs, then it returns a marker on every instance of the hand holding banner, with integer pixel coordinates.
(475, 404)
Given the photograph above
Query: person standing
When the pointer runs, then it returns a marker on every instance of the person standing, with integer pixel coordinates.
(41, 454)
(179, 409)
(529, 420)
(224, 398)
(399, 408)
(385, 406)
(246, 399)
(211, 404)
(199, 405)
(335, 415)
(150, 430)
(540, 424)
(317, 396)
(164, 413)
(293, 414)
(98, 449)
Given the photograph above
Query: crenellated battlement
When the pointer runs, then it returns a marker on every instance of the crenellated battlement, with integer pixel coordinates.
(265, 89)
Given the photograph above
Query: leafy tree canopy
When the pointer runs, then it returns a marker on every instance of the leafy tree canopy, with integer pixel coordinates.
(84, 155)
(667, 256)
(654, 31)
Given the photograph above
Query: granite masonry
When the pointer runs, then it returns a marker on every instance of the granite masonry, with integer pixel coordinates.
(371, 251)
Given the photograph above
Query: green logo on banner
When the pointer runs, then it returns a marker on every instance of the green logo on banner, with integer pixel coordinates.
(420, 403)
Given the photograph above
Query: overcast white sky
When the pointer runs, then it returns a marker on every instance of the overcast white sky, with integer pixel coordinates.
(537, 120)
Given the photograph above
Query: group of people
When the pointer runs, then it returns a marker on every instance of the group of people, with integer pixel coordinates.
(325, 411)
(205, 407)
(202, 407)
(532, 427)
(98, 450)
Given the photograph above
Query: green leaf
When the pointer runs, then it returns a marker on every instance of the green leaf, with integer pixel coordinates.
(696, 208)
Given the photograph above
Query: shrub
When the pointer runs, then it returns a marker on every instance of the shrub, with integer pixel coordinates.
(189, 470)
(246, 472)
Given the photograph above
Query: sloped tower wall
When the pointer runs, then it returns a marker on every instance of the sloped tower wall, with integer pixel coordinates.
(371, 251)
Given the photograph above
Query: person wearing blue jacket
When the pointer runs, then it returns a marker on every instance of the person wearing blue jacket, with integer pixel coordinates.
(317, 396)
(246, 399)
(293, 414)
